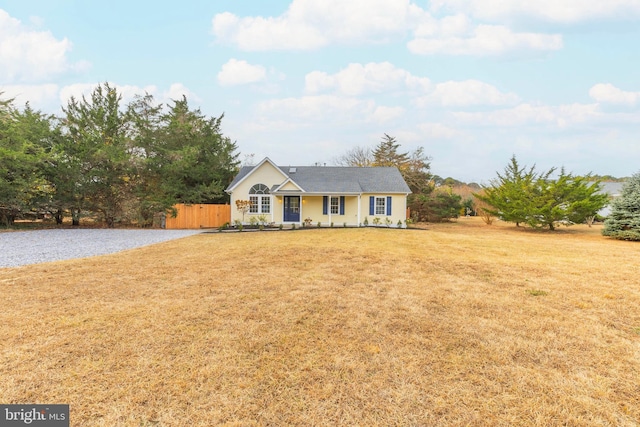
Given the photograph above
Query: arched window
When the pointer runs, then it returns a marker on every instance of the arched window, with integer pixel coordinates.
(259, 189)
(260, 199)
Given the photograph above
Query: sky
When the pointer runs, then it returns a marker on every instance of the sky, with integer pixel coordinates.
(553, 82)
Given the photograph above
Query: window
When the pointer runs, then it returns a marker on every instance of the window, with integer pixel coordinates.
(261, 202)
(259, 189)
(254, 204)
(266, 204)
(335, 205)
(381, 207)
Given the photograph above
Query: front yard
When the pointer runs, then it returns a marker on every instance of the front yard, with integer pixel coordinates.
(461, 324)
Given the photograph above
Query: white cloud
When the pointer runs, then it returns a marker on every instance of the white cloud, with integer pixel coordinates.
(27, 55)
(449, 26)
(236, 72)
(483, 40)
(438, 131)
(527, 114)
(557, 11)
(177, 91)
(466, 93)
(310, 24)
(384, 114)
(319, 108)
(358, 79)
(36, 95)
(609, 94)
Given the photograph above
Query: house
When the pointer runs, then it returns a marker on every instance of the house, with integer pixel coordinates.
(325, 194)
(613, 189)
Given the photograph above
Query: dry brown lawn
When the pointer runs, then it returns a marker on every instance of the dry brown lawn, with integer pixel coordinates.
(459, 324)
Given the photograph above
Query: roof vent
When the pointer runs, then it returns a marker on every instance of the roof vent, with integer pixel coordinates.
(292, 170)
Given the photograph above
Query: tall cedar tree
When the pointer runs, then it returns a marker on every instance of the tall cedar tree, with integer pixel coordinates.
(125, 164)
(23, 138)
(201, 160)
(96, 153)
(414, 167)
(148, 158)
(623, 222)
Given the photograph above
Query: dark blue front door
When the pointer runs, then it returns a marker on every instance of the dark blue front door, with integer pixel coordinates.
(292, 208)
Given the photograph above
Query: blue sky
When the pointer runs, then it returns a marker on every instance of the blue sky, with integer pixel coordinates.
(555, 82)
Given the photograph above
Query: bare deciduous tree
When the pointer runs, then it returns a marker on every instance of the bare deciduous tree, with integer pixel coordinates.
(357, 156)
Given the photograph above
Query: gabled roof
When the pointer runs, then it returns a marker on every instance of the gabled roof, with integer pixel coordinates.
(245, 171)
(336, 179)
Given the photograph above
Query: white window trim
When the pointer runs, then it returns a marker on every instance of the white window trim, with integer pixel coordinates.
(259, 204)
(384, 205)
(337, 212)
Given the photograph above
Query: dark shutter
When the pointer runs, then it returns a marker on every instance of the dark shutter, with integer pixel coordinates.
(325, 202)
(341, 205)
(372, 205)
(388, 205)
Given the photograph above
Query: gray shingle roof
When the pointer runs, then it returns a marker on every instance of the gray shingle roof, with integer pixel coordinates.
(612, 188)
(339, 179)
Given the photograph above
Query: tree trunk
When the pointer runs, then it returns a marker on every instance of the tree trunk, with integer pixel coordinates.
(110, 222)
(58, 216)
(75, 217)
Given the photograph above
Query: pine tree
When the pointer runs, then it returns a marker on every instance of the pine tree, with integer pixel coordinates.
(567, 200)
(510, 195)
(95, 155)
(24, 136)
(414, 167)
(525, 196)
(624, 221)
(386, 153)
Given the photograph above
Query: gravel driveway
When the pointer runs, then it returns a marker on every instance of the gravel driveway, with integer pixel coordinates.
(32, 247)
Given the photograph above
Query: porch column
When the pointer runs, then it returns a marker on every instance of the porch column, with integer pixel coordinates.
(359, 207)
(274, 203)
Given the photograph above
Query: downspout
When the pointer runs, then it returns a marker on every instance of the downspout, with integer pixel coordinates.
(359, 207)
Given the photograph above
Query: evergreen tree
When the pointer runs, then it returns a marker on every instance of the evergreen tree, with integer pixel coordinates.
(202, 161)
(568, 199)
(441, 204)
(510, 195)
(525, 196)
(624, 220)
(23, 139)
(148, 158)
(95, 155)
(414, 167)
(386, 153)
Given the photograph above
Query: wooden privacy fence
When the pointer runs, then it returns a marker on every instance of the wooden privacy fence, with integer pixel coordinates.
(199, 216)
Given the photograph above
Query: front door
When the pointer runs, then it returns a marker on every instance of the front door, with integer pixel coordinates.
(291, 208)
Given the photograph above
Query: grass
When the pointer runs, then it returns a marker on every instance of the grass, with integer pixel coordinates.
(537, 292)
(333, 327)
